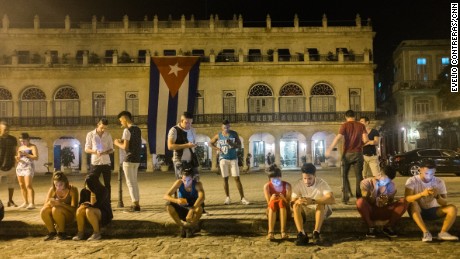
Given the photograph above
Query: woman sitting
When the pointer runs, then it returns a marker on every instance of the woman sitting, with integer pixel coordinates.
(60, 206)
(94, 208)
(278, 196)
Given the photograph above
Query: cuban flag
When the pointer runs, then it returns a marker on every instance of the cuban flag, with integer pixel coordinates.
(173, 87)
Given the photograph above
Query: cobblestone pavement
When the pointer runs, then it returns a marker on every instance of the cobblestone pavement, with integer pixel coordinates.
(226, 247)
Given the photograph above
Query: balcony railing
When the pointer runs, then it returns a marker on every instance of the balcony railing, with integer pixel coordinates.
(197, 119)
(415, 85)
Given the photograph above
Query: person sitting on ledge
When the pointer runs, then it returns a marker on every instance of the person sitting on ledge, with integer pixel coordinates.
(60, 206)
(378, 202)
(278, 196)
(311, 193)
(187, 208)
(94, 208)
(427, 196)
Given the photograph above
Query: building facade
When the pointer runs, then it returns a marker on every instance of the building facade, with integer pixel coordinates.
(284, 88)
(418, 107)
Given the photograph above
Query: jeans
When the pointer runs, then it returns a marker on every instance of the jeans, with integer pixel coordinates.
(106, 171)
(130, 170)
(350, 160)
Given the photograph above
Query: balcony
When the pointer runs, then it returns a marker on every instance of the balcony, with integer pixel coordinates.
(197, 119)
(415, 85)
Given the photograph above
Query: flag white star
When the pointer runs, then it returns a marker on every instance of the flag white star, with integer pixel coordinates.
(174, 69)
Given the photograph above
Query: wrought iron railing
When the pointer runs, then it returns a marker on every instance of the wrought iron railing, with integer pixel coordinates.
(197, 119)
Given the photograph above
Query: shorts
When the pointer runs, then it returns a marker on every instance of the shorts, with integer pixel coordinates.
(427, 214)
(309, 211)
(227, 166)
(181, 210)
(10, 177)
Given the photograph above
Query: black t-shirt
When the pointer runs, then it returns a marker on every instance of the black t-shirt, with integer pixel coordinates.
(8, 146)
(370, 150)
(133, 153)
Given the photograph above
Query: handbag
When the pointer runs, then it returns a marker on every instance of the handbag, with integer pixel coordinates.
(194, 159)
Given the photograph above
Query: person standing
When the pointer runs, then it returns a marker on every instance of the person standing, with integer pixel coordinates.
(371, 159)
(227, 142)
(131, 144)
(248, 162)
(8, 146)
(99, 144)
(427, 196)
(25, 170)
(181, 140)
(379, 203)
(311, 194)
(354, 135)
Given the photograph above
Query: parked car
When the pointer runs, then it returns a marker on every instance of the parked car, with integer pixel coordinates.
(446, 161)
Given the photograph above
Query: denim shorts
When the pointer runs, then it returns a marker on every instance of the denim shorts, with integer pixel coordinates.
(427, 214)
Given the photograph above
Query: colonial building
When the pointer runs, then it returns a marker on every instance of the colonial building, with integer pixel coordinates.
(284, 88)
(418, 108)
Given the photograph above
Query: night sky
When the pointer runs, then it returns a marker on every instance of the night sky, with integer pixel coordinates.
(393, 21)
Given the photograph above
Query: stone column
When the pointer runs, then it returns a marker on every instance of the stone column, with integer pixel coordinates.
(67, 23)
(277, 151)
(155, 24)
(36, 23)
(306, 56)
(115, 57)
(268, 22)
(125, 23)
(340, 56)
(211, 23)
(240, 56)
(358, 21)
(212, 56)
(94, 23)
(275, 56)
(366, 56)
(296, 23)
(14, 58)
(324, 21)
(5, 23)
(240, 22)
(85, 58)
(182, 23)
(47, 58)
(148, 57)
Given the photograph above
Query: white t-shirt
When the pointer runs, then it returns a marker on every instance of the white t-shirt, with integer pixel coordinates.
(319, 189)
(417, 185)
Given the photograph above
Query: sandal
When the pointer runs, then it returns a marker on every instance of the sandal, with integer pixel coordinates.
(284, 235)
(270, 236)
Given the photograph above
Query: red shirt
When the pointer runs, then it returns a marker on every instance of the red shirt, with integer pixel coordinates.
(352, 132)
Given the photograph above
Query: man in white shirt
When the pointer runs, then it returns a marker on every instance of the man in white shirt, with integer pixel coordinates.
(99, 144)
(427, 196)
(311, 194)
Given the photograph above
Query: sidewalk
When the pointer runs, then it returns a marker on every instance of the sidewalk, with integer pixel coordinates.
(235, 218)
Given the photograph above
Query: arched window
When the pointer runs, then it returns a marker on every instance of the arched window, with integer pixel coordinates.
(6, 103)
(322, 98)
(292, 98)
(33, 107)
(260, 99)
(66, 106)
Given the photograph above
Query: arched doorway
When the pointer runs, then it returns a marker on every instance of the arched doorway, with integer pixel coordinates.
(292, 149)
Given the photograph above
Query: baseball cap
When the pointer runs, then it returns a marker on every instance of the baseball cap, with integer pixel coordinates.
(308, 168)
(429, 163)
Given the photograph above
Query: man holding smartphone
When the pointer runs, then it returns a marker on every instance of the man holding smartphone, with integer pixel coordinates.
(311, 194)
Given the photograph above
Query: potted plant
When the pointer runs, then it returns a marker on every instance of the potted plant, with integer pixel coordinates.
(67, 157)
(163, 162)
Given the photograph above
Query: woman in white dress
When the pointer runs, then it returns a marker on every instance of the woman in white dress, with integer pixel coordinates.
(25, 157)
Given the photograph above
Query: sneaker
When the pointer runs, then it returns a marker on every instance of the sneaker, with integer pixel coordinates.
(50, 236)
(78, 237)
(135, 208)
(31, 207)
(62, 236)
(94, 237)
(24, 205)
(301, 240)
(227, 201)
(427, 237)
(446, 236)
(316, 238)
(389, 232)
(245, 202)
(371, 233)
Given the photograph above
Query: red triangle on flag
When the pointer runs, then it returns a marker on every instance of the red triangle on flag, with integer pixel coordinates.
(174, 70)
